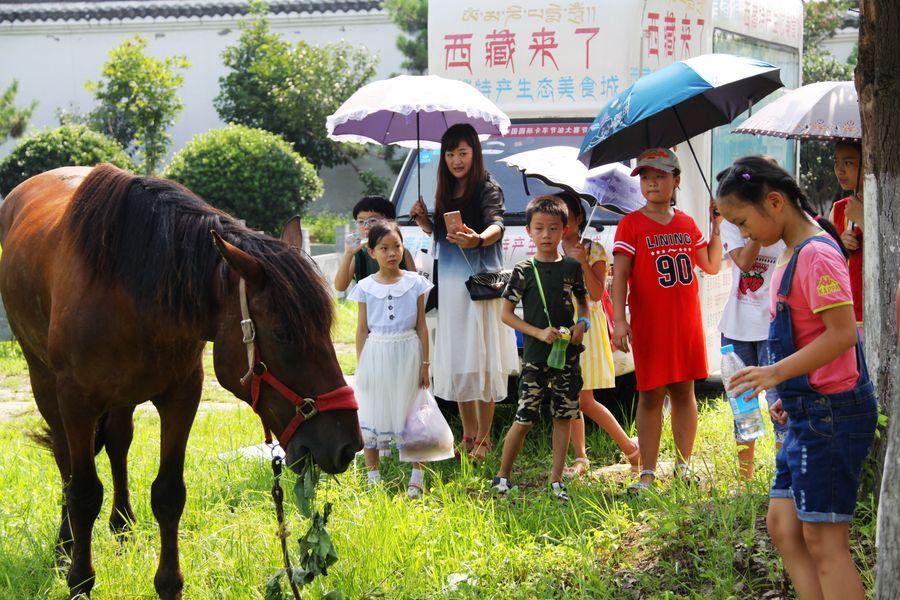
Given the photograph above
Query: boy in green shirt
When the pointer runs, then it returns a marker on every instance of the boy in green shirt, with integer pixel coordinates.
(546, 286)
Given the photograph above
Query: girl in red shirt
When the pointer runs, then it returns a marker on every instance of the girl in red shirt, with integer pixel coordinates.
(847, 216)
(656, 250)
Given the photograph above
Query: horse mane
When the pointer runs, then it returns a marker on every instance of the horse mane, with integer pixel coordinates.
(152, 237)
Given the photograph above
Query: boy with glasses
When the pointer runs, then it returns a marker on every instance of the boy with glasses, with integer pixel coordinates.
(356, 264)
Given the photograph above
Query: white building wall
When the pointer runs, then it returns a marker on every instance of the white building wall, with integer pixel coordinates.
(52, 62)
(841, 44)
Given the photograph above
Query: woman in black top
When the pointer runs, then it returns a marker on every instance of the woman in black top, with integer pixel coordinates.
(474, 352)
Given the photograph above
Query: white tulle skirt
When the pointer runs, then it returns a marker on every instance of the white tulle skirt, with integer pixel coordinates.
(387, 383)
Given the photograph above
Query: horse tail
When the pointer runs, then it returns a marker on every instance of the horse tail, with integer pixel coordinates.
(44, 438)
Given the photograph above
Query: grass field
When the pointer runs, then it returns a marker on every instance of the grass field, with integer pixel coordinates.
(457, 542)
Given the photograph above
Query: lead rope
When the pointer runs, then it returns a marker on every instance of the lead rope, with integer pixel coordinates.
(278, 497)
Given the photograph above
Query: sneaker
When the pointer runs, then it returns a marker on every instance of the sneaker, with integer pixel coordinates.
(559, 490)
(500, 485)
(413, 492)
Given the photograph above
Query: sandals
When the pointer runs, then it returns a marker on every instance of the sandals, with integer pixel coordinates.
(635, 464)
(639, 487)
(481, 449)
(414, 491)
(684, 473)
(465, 445)
(559, 490)
(575, 470)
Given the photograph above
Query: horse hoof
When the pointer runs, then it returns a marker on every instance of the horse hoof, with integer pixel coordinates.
(120, 524)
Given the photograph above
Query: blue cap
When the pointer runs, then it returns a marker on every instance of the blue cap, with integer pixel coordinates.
(727, 349)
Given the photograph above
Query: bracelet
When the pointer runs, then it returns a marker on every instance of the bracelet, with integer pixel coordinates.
(587, 323)
(480, 241)
(425, 363)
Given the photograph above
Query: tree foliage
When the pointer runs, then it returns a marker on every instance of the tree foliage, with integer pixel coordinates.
(137, 97)
(411, 16)
(70, 145)
(821, 20)
(13, 119)
(252, 174)
(290, 89)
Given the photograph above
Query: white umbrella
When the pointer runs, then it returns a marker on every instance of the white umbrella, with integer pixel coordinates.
(410, 109)
(608, 185)
(828, 110)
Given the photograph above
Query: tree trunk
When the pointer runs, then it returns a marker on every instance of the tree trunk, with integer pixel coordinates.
(879, 94)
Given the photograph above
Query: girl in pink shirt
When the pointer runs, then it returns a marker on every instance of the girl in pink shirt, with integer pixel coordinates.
(820, 373)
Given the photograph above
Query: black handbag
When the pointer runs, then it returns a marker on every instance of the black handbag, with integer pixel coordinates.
(487, 285)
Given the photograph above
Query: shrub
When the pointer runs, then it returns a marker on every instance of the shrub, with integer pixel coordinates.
(252, 174)
(321, 226)
(138, 101)
(70, 145)
(290, 89)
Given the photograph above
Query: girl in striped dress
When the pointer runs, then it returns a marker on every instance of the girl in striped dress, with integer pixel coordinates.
(597, 368)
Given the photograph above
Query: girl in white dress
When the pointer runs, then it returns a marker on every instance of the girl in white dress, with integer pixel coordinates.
(391, 348)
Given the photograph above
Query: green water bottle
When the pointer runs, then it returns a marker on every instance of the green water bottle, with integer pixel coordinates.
(557, 358)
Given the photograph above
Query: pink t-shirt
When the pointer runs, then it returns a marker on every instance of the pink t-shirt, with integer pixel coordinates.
(821, 281)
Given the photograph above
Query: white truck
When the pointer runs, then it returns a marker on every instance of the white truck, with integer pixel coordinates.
(551, 66)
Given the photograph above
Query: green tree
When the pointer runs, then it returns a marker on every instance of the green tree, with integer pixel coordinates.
(821, 20)
(411, 16)
(253, 174)
(13, 120)
(138, 101)
(290, 89)
(71, 145)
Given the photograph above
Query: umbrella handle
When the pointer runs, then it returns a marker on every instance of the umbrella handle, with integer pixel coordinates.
(588, 224)
(418, 159)
(694, 154)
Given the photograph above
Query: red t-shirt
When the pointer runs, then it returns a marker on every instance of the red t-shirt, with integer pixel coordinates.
(666, 324)
(839, 218)
(821, 282)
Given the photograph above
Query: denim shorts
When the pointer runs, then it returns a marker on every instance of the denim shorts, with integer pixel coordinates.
(756, 354)
(821, 460)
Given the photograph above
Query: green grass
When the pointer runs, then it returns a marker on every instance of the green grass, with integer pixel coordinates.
(458, 542)
(677, 543)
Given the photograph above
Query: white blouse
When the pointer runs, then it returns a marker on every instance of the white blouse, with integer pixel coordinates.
(391, 308)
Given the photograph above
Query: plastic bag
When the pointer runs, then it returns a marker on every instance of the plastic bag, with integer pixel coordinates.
(426, 434)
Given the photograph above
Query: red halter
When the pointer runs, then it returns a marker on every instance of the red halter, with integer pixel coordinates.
(340, 399)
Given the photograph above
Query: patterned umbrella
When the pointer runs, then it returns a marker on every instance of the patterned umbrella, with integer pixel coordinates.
(828, 110)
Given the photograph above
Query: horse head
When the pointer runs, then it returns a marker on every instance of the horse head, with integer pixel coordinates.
(283, 362)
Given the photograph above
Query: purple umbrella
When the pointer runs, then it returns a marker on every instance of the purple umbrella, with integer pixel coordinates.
(411, 109)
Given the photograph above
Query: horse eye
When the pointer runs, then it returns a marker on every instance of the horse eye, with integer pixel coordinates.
(284, 336)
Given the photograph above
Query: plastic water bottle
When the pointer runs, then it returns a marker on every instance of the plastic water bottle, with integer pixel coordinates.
(557, 357)
(748, 419)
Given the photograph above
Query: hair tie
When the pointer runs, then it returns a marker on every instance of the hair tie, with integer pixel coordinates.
(746, 176)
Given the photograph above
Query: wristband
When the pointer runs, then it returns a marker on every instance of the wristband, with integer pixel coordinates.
(480, 241)
(587, 324)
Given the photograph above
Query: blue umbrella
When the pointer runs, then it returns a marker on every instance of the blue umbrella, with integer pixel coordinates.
(675, 103)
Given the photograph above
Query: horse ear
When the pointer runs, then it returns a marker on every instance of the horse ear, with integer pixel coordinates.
(244, 265)
(292, 233)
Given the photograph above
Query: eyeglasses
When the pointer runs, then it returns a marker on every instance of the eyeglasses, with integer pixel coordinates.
(367, 222)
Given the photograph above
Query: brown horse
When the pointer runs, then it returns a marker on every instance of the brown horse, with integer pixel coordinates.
(113, 286)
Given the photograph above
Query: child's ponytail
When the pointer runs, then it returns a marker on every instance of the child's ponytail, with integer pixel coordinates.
(752, 177)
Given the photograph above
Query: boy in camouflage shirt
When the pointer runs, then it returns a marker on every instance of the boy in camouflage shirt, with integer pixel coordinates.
(558, 279)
